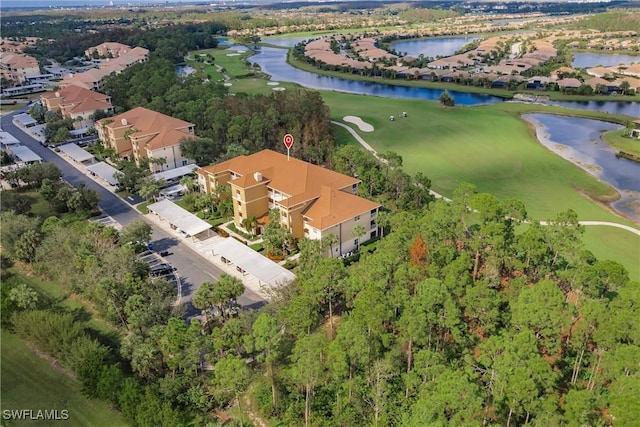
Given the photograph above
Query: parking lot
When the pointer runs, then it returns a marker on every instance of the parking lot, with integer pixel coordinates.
(160, 268)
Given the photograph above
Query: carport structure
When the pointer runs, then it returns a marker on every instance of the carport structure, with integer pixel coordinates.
(77, 154)
(249, 261)
(104, 171)
(24, 154)
(180, 219)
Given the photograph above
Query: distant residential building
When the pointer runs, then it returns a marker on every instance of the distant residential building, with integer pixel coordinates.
(76, 103)
(18, 68)
(115, 50)
(145, 134)
(118, 57)
(313, 201)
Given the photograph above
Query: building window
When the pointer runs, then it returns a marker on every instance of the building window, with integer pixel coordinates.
(374, 212)
(184, 163)
(354, 188)
(357, 218)
(355, 243)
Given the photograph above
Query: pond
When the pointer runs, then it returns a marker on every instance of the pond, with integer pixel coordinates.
(273, 61)
(587, 60)
(444, 46)
(580, 141)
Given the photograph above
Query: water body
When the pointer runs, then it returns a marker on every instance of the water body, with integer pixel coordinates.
(587, 60)
(273, 61)
(614, 107)
(433, 47)
(580, 141)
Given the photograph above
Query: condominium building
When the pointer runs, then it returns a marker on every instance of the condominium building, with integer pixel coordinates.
(313, 201)
(77, 103)
(142, 133)
(18, 68)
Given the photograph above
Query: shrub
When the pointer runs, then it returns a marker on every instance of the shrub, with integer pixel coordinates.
(221, 231)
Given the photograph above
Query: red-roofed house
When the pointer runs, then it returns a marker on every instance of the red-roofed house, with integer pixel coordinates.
(313, 201)
(145, 134)
(76, 102)
(18, 68)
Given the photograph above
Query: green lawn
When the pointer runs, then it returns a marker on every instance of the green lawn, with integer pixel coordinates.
(616, 244)
(492, 148)
(620, 140)
(30, 382)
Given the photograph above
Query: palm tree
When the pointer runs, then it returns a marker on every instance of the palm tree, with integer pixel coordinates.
(329, 240)
(250, 224)
(358, 231)
(189, 183)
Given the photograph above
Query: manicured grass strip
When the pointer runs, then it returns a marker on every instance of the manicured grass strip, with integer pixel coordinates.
(491, 147)
(30, 382)
(616, 244)
(486, 146)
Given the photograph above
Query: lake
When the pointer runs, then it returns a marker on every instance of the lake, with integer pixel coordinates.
(580, 141)
(588, 60)
(273, 61)
(433, 47)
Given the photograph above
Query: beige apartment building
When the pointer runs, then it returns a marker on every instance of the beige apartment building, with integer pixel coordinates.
(77, 103)
(18, 68)
(313, 201)
(142, 133)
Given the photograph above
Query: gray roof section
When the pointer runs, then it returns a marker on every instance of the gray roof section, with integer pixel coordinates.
(261, 267)
(24, 154)
(24, 119)
(104, 171)
(7, 139)
(175, 173)
(76, 153)
(184, 220)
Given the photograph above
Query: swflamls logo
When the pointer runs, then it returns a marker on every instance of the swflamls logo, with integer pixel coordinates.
(35, 414)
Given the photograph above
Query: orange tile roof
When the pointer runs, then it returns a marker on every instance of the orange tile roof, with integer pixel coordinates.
(164, 130)
(301, 182)
(334, 207)
(292, 177)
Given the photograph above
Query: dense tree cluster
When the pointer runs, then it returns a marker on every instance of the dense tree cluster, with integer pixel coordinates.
(170, 41)
(226, 125)
(384, 179)
(464, 313)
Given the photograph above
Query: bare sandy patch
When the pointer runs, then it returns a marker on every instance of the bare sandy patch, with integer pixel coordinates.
(362, 125)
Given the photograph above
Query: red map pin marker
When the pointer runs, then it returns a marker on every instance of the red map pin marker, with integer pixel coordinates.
(288, 140)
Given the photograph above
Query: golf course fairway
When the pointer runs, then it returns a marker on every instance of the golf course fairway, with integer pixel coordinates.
(491, 147)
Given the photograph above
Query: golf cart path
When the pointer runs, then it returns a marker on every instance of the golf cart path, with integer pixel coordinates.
(440, 196)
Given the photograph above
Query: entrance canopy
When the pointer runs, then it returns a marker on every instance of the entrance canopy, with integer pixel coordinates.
(261, 267)
(182, 219)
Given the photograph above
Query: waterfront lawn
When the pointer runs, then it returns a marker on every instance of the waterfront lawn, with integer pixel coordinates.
(620, 139)
(31, 382)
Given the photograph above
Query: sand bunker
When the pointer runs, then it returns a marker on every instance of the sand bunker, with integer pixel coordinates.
(273, 83)
(233, 54)
(228, 84)
(362, 125)
(279, 88)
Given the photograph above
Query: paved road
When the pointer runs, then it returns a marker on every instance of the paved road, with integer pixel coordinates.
(192, 268)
